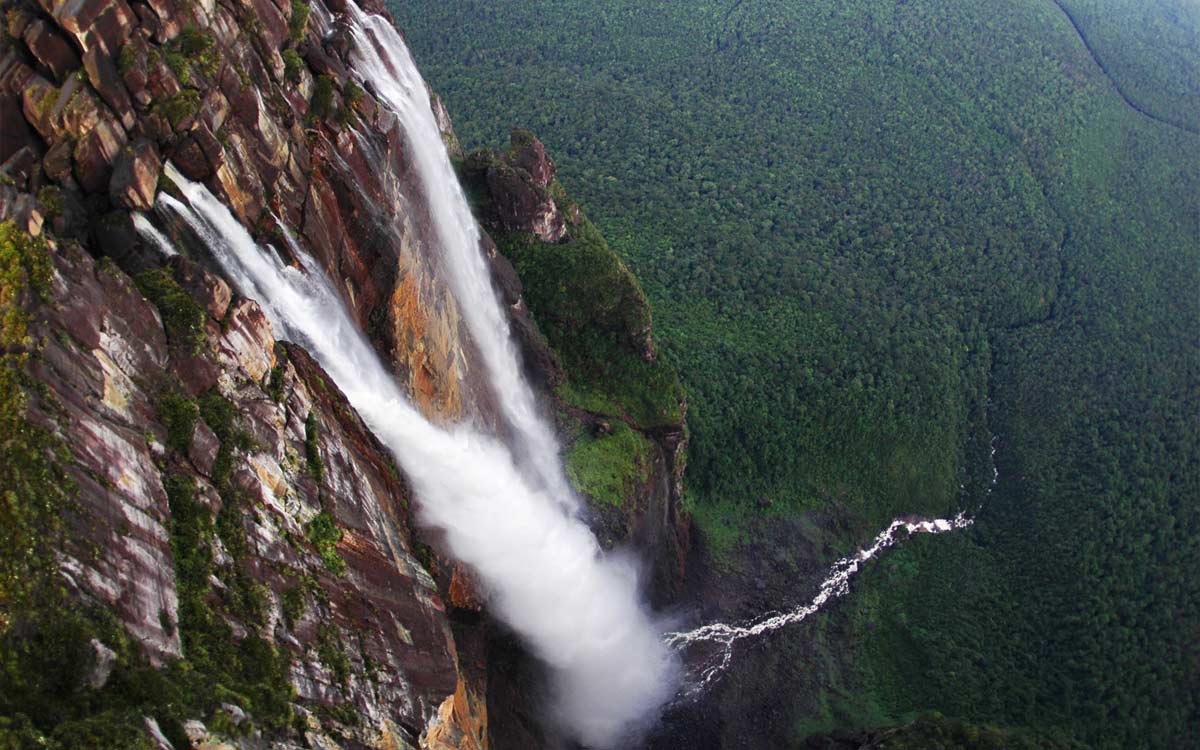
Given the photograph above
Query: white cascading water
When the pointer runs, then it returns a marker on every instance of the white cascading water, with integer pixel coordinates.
(545, 575)
(712, 645)
(708, 650)
(381, 60)
(151, 233)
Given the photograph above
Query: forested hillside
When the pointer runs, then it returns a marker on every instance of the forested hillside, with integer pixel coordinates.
(1149, 50)
(875, 235)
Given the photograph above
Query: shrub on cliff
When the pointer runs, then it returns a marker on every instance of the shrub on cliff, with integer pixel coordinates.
(298, 21)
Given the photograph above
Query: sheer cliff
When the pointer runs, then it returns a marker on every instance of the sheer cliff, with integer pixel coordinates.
(203, 543)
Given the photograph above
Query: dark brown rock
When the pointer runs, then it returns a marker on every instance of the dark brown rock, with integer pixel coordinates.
(57, 162)
(273, 27)
(22, 168)
(214, 108)
(102, 74)
(22, 209)
(213, 294)
(135, 176)
(322, 62)
(442, 116)
(51, 49)
(105, 24)
(95, 154)
(169, 20)
(135, 73)
(522, 205)
(203, 452)
(114, 235)
(529, 154)
(504, 276)
(15, 133)
(149, 24)
(190, 160)
(14, 73)
(38, 101)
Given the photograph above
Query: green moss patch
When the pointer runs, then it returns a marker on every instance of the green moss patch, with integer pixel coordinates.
(321, 105)
(608, 467)
(179, 106)
(331, 653)
(298, 21)
(178, 414)
(220, 415)
(251, 673)
(33, 488)
(312, 450)
(324, 534)
(292, 65)
(182, 316)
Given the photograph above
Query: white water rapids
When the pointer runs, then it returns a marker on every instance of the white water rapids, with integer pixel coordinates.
(712, 645)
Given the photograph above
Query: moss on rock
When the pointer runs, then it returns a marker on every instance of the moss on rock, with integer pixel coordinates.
(609, 466)
(324, 534)
(182, 316)
(33, 488)
(178, 414)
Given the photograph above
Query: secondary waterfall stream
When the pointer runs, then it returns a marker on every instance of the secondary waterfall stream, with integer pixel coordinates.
(708, 650)
(712, 645)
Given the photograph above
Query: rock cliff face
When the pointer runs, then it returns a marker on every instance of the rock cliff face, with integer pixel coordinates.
(255, 100)
(235, 547)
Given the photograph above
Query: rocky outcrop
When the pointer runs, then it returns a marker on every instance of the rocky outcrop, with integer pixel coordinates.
(517, 188)
(134, 182)
(254, 99)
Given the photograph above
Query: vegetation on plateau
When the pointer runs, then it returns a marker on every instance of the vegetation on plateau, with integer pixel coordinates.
(594, 316)
(608, 467)
(876, 235)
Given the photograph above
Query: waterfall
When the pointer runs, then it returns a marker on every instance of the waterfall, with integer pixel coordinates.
(545, 575)
(381, 59)
(149, 232)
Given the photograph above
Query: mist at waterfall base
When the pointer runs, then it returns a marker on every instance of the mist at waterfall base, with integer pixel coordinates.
(544, 574)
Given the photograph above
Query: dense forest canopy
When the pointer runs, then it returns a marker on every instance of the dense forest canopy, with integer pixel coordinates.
(877, 236)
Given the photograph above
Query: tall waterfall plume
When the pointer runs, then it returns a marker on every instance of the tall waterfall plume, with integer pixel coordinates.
(382, 61)
(579, 610)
